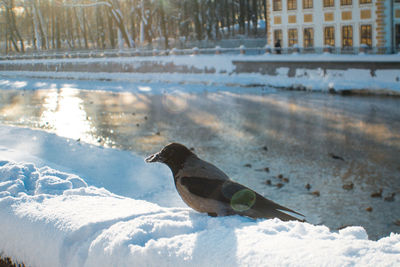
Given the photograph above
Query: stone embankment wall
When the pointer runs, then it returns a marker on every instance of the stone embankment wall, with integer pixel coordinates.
(270, 67)
(367, 74)
(112, 66)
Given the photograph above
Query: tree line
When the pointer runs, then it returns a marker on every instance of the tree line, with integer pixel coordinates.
(88, 24)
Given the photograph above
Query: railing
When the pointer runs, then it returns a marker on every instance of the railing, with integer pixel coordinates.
(197, 51)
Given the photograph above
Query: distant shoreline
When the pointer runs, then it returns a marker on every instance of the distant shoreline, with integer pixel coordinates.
(346, 75)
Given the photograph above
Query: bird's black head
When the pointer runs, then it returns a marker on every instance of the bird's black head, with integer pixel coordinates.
(174, 155)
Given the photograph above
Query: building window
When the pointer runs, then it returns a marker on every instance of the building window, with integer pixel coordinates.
(292, 36)
(329, 36)
(329, 3)
(277, 35)
(292, 4)
(397, 35)
(307, 4)
(366, 35)
(345, 2)
(365, 1)
(347, 36)
(308, 37)
(277, 5)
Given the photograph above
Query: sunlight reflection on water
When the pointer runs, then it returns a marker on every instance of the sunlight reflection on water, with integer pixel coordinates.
(64, 113)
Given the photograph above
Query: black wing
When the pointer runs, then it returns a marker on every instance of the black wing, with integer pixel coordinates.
(206, 188)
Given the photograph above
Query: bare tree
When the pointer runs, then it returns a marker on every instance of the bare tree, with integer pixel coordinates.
(116, 14)
(163, 23)
(12, 28)
(60, 24)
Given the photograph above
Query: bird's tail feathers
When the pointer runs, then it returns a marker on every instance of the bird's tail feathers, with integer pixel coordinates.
(284, 209)
(286, 216)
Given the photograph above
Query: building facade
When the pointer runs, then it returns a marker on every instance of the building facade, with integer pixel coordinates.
(344, 24)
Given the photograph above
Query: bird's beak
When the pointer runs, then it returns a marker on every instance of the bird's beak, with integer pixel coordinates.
(154, 158)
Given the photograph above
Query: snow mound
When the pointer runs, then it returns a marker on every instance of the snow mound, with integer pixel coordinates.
(52, 218)
(18, 180)
(120, 172)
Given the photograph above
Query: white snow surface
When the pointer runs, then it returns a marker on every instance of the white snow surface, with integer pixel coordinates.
(60, 206)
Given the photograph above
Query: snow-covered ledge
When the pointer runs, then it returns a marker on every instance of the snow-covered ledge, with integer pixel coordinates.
(53, 217)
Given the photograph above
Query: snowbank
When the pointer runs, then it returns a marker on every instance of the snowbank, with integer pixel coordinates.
(385, 81)
(53, 217)
(120, 172)
(163, 69)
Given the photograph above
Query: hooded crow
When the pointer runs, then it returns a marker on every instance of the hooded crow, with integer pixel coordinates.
(205, 188)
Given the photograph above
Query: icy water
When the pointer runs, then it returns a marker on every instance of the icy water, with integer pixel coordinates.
(276, 142)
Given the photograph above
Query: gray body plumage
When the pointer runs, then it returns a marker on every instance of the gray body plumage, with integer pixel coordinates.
(206, 188)
(193, 166)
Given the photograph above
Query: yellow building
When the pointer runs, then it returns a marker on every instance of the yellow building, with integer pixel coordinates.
(344, 24)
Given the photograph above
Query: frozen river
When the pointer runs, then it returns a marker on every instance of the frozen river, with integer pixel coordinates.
(277, 142)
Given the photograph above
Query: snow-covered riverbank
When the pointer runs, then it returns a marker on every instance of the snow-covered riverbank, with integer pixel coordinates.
(53, 215)
(64, 202)
(220, 70)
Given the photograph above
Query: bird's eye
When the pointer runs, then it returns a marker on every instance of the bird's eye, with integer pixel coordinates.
(167, 153)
